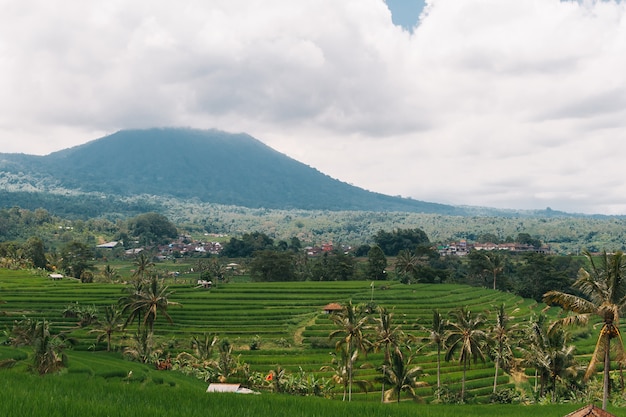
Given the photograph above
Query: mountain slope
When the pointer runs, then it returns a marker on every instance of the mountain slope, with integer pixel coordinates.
(210, 166)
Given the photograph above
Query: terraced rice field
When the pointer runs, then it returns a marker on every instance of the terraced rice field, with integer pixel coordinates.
(287, 318)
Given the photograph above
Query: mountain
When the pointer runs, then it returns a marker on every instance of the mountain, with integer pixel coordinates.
(203, 165)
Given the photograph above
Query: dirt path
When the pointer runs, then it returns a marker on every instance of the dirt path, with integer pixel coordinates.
(297, 335)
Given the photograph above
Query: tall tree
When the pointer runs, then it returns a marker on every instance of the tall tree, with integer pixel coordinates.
(402, 376)
(272, 265)
(436, 334)
(77, 258)
(603, 286)
(376, 264)
(109, 273)
(406, 265)
(152, 228)
(388, 338)
(111, 323)
(495, 265)
(465, 336)
(558, 359)
(501, 333)
(143, 263)
(350, 330)
(35, 251)
(393, 242)
(148, 303)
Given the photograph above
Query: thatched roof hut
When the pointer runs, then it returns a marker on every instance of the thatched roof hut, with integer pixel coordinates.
(332, 308)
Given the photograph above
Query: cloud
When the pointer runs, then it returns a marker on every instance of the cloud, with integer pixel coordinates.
(503, 103)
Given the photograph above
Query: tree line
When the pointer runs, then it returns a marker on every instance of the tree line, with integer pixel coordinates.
(406, 255)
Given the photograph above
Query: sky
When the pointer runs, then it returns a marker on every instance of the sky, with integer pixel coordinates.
(516, 104)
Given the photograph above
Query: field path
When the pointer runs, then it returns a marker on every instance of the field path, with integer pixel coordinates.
(297, 335)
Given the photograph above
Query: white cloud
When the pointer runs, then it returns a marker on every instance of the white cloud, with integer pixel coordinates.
(504, 103)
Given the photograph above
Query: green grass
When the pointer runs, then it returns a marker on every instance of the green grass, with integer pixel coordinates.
(286, 317)
(97, 385)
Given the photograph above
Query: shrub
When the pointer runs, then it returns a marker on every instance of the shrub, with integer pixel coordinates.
(321, 343)
(505, 396)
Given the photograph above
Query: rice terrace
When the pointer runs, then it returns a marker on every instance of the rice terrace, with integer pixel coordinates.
(276, 339)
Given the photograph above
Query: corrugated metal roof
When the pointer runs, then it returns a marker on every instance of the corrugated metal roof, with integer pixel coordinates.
(236, 388)
(590, 411)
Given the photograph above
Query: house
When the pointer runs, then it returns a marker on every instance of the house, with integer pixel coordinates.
(235, 388)
(590, 411)
(332, 308)
(55, 276)
(204, 283)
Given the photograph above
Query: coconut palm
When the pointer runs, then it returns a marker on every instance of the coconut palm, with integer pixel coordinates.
(142, 263)
(465, 336)
(401, 376)
(603, 286)
(558, 359)
(495, 265)
(533, 350)
(350, 331)
(406, 264)
(388, 335)
(435, 338)
(109, 273)
(148, 303)
(339, 367)
(501, 333)
(388, 338)
(108, 325)
(217, 270)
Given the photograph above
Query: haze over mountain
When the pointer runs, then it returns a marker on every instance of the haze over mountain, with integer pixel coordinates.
(207, 165)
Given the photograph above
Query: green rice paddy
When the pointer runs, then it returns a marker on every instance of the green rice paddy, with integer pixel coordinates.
(287, 319)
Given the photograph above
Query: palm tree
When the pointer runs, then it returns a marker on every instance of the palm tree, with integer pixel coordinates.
(339, 366)
(48, 349)
(217, 270)
(388, 336)
(534, 348)
(604, 286)
(149, 302)
(406, 264)
(495, 265)
(558, 360)
(501, 336)
(435, 338)
(401, 376)
(142, 263)
(464, 335)
(111, 323)
(109, 273)
(350, 330)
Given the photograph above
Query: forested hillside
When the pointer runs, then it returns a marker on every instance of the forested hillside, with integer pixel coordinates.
(206, 166)
(564, 235)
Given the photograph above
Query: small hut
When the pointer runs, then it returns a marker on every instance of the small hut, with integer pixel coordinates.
(234, 388)
(332, 308)
(590, 411)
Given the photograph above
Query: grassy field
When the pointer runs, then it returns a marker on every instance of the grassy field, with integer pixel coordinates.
(97, 385)
(287, 321)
